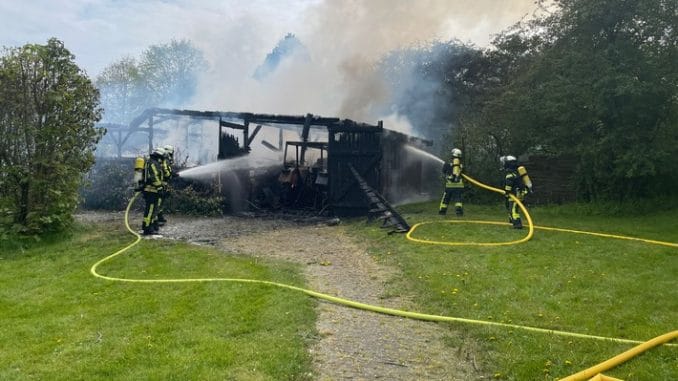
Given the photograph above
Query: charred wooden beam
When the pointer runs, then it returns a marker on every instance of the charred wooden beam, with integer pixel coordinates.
(381, 208)
(253, 135)
(304, 137)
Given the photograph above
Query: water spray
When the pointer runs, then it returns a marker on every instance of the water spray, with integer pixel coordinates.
(424, 153)
(205, 172)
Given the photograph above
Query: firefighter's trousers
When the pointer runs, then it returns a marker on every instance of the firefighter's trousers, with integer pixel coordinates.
(514, 210)
(163, 198)
(452, 194)
(150, 222)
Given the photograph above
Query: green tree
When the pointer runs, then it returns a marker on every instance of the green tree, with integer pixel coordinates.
(166, 75)
(596, 80)
(170, 72)
(48, 108)
(122, 91)
(427, 85)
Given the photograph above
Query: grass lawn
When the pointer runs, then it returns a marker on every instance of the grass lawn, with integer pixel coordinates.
(58, 322)
(559, 281)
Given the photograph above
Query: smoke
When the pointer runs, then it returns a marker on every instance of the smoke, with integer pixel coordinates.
(345, 41)
(417, 177)
(340, 71)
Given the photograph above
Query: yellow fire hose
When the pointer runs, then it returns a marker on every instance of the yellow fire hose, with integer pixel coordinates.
(620, 358)
(530, 225)
(416, 315)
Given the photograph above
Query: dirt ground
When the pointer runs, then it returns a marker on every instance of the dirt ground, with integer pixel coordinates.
(352, 344)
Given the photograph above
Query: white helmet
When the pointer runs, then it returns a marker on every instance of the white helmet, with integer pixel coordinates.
(508, 161)
(169, 149)
(158, 151)
(456, 152)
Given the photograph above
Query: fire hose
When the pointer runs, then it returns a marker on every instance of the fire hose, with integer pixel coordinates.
(416, 315)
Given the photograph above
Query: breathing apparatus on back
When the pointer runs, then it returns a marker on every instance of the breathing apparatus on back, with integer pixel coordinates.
(139, 173)
(510, 163)
(456, 164)
(141, 168)
(526, 179)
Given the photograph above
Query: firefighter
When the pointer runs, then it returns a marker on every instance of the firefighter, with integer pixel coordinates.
(153, 186)
(167, 174)
(517, 183)
(454, 184)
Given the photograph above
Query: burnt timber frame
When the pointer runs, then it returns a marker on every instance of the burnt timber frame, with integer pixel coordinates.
(351, 146)
(151, 117)
(322, 146)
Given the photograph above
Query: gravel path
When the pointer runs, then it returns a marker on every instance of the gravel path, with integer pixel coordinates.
(352, 344)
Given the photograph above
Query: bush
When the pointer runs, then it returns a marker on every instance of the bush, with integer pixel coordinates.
(48, 108)
(108, 185)
(196, 201)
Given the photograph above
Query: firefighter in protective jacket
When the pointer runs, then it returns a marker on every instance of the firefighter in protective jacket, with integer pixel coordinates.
(454, 184)
(517, 183)
(167, 174)
(153, 186)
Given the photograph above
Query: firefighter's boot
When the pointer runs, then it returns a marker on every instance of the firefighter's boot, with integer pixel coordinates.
(146, 229)
(459, 211)
(442, 211)
(517, 223)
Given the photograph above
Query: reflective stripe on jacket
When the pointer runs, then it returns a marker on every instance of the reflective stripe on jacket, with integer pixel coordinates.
(513, 183)
(154, 176)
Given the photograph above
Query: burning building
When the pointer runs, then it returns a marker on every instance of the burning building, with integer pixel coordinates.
(331, 165)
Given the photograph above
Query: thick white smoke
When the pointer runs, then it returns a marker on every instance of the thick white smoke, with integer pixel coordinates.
(344, 40)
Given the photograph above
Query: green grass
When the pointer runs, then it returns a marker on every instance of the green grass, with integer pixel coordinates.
(559, 281)
(58, 322)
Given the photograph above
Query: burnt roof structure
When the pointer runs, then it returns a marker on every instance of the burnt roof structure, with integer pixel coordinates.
(354, 168)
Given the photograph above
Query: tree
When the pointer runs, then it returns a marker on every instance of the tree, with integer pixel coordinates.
(170, 72)
(165, 76)
(427, 85)
(122, 91)
(48, 108)
(596, 80)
